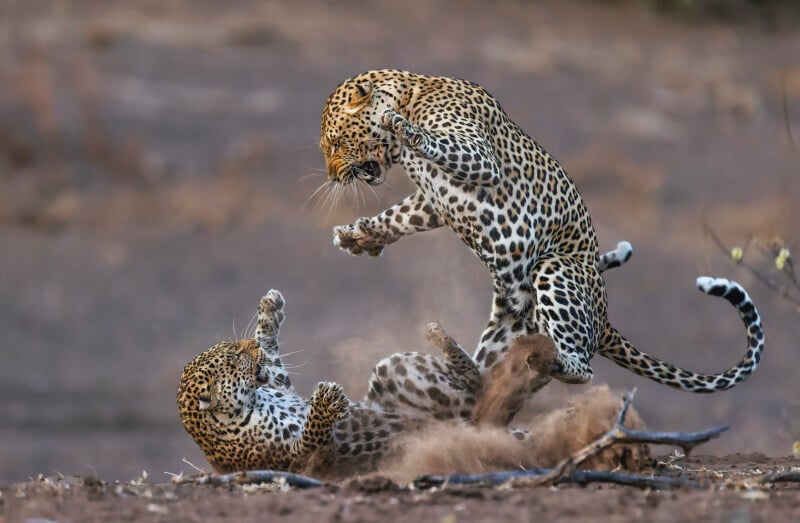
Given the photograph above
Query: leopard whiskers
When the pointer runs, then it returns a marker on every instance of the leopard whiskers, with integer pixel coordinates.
(330, 193)
(233, 327)
(321, 189)
(327, 197)
(375, 193)
(341, 191)
(367, 185)
(290, 353)
(332, 198)
(290, 367)
(358, 195)
(316, 173)
(362, 192)
(250, 328)
(219, 338)
(314, 140)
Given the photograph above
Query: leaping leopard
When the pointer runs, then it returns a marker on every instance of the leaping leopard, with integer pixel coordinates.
(512, 204)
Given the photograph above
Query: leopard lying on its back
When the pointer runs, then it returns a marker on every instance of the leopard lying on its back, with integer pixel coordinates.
(511, 203)
(236, 400)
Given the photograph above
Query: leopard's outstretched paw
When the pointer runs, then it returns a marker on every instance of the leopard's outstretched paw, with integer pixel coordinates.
(392, 121)
(273, 301)
(399, 126)
(330, 402)
(356, 239)
(271, 313)
(345, 237)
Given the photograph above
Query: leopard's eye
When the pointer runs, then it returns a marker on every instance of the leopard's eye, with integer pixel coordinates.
(335, 147)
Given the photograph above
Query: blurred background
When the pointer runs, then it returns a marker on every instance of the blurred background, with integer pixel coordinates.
(157, 159)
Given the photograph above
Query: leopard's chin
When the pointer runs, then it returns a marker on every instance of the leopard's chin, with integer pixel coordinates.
(370, 172)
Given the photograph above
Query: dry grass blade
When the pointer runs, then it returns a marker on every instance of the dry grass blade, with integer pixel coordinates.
(786, 120)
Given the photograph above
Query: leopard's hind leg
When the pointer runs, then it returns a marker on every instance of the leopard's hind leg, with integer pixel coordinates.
(570, 310)
(460, 365)
(505, 323)
(438, 388)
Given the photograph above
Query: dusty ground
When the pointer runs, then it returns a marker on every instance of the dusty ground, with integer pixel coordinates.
(156, 159)
(731, 494)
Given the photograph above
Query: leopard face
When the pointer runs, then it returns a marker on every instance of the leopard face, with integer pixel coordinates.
(352, 142)
(222, 380)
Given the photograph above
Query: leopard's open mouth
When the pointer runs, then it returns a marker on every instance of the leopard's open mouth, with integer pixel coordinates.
(369, 172)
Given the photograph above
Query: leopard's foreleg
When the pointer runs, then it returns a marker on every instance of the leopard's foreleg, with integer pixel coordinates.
(460, 149)
(329, 404)
(371, 235)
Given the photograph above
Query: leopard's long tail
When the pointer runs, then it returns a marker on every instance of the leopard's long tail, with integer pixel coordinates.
(622, 352)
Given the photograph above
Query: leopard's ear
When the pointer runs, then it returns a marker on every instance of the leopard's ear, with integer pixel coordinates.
(360, 97)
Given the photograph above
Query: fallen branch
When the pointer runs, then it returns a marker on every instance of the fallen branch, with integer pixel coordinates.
(577, 477)
(565, 471)
(584, 477)
(250, 477)
(487, 479)
(789, 476)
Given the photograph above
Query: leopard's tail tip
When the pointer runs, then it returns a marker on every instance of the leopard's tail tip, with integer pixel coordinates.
(715, 286)
(625, 249)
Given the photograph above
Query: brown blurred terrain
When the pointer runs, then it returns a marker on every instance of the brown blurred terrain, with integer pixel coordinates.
(156, 163)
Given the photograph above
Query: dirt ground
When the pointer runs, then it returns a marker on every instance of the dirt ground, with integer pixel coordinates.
(156, 164)
(731, 494)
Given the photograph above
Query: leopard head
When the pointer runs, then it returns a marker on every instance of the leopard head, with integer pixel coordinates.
(354, 145)
(222, 381)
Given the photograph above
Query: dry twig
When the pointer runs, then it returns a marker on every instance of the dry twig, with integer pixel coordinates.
(773, 252)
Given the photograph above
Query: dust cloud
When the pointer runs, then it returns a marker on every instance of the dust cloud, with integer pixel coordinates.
(450, 447)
